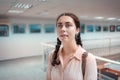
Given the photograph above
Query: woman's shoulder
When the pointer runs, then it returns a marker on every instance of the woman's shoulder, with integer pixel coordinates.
(91, 57)
(88, 55)
(51, 55)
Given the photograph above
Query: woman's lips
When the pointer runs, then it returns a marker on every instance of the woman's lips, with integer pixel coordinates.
(63, 35)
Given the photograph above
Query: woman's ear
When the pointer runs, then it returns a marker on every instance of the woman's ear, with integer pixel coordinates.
(77, 30)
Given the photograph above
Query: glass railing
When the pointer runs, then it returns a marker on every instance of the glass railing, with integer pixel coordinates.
(102, 47)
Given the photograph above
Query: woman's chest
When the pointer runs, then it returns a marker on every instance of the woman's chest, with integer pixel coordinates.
(72, 71)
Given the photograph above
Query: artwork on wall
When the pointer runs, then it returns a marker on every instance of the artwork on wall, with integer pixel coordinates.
(82, 28)
(112, 28)
(105, 28)
(35, 28)
(97, 28)
(90, 28)
(4, 30)
(49, 28)
(19, 28)
(118, 28)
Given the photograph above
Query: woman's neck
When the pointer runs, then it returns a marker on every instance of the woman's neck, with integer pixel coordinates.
(69, 48)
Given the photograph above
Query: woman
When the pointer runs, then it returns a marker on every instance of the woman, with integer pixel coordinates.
(65, 62)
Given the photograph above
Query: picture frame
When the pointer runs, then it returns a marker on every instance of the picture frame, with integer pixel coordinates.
(82, 28)
(118, 28)
(19, 28)
(49, 28)
(112, 28)
(4, 30)
(105, 28)
(97, 28)
(90, 28)
(35, 28)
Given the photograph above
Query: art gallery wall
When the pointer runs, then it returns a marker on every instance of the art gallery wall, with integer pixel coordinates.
(29, 44)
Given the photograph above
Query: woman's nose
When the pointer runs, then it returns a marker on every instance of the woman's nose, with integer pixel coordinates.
(63, 28)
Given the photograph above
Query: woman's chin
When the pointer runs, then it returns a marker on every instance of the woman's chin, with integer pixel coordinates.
(64, 39)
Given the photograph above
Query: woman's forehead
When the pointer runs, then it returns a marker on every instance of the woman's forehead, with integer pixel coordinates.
(65, 19)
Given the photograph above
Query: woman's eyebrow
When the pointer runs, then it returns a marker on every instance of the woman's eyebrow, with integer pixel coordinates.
(59, 23)
(67, 22)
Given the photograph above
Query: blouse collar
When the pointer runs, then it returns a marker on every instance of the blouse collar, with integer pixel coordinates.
(76, 55)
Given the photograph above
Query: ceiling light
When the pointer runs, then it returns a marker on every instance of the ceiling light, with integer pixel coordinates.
(98, 17)
(118, 19)
(41, 0)
(24, 6)
(111, 18)
(15, 11)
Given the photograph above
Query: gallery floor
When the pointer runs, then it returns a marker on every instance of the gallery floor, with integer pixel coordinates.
(31, 68)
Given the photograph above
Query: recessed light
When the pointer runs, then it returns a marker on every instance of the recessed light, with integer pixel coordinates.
(15, 11)
(41, 0)
(98, 17)
(111, 18)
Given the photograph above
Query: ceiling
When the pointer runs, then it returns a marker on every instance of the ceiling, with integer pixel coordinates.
(85, 9)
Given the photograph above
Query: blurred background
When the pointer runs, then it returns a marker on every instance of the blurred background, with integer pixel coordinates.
(28, 35)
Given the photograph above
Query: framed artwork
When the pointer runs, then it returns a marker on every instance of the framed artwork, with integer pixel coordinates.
(105, 28)
(118, 28)
(112, 28)
(19, 28)
(35, 28)
(90, 28)
(49, 28)
(82, 28)
(4, 30)
(97, 28)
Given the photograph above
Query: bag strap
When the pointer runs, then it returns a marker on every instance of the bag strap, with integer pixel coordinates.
(84, 56)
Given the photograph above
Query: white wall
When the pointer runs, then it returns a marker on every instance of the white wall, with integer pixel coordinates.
(27, 44)
(100, 39)
(23, 45)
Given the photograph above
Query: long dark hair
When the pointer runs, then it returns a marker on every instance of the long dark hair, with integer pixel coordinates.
(55, 60)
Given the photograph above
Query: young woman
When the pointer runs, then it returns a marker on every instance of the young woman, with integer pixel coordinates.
(65, 62)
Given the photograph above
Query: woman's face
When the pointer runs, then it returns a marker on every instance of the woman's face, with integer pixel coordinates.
(66, 29)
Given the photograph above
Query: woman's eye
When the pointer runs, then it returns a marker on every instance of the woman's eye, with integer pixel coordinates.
(59, 25)
(68, 25)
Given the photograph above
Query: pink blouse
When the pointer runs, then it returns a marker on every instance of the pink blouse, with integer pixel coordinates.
(73, 70)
